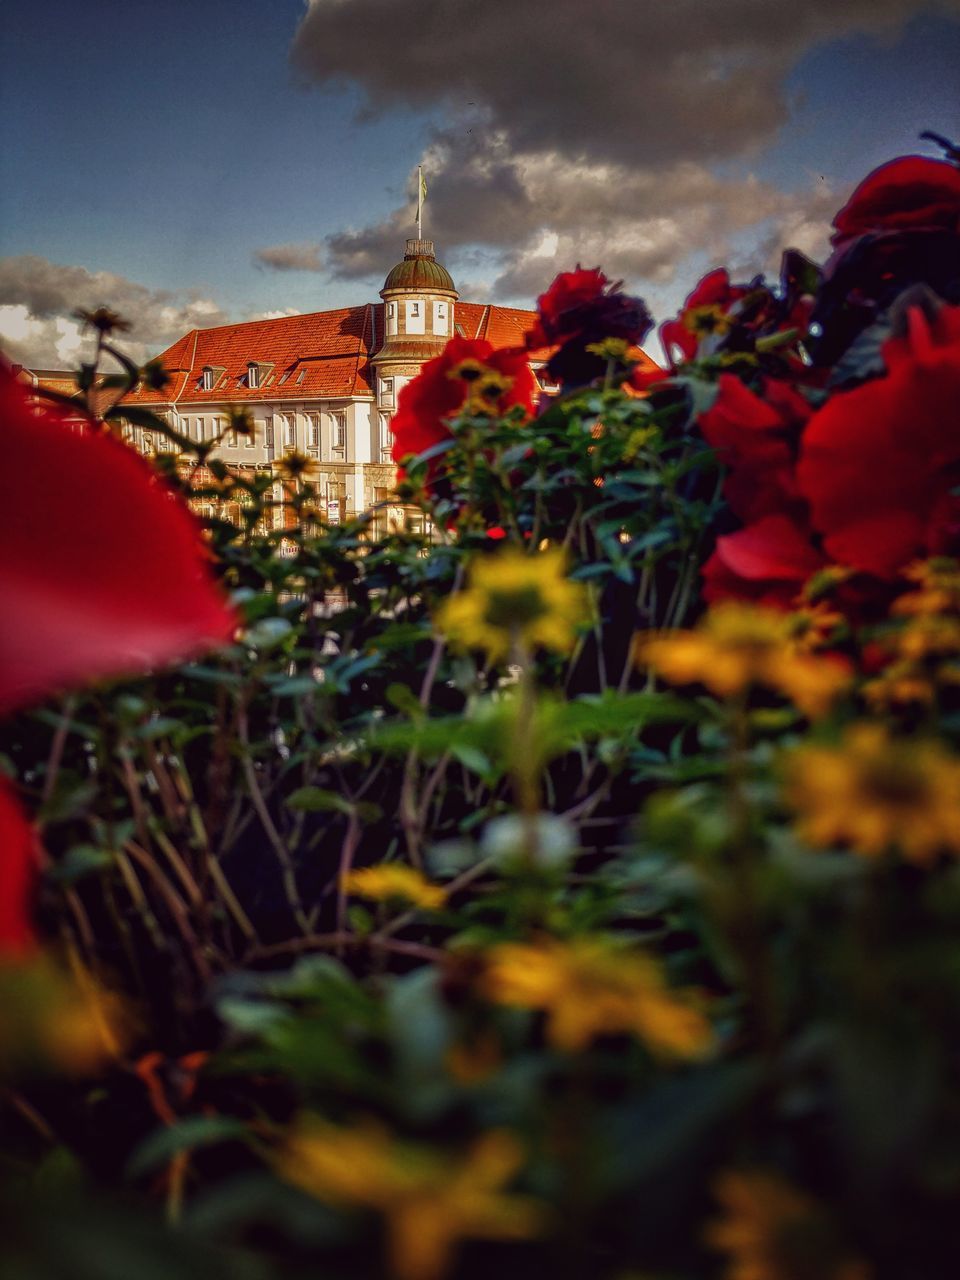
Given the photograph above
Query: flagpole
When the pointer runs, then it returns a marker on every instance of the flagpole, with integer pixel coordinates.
(419, 201)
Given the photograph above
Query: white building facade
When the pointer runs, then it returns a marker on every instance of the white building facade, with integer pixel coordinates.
(324, 384)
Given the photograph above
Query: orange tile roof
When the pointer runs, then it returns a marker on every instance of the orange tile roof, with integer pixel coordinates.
(322, 355)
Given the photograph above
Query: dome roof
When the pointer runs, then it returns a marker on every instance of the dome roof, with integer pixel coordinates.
(419, 270)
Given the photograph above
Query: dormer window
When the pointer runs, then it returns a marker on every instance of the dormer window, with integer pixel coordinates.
(210, 376)
(253, 374)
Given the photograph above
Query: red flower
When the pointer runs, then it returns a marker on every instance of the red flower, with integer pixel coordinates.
(444, 385)
(704, 311)
(878, 463)
(582, 308)
(18, 862)
(558, 309)
(910, 193)
(102, 571)
(768, 562)
(757, 439)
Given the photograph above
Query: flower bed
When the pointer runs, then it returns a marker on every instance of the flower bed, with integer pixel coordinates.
(581, 898)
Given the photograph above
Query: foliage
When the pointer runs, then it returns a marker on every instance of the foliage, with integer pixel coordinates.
(488, 905)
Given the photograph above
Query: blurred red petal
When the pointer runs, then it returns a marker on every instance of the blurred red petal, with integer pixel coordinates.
(906, 193)
(768, 561)
(103, 570)
(17, 867)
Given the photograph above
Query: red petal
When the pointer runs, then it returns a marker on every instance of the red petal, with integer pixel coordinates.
(17, 867)
(103, 570)
(911, 191)
(877, 462)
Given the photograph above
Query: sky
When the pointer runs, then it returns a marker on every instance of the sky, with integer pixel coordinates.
(223, 160)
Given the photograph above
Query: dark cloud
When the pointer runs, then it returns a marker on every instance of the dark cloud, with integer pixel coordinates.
(38, 298)
(290, 257)
(572, 133)
(641, 84)
(540, 212)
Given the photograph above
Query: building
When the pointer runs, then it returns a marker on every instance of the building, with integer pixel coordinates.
(325, 384)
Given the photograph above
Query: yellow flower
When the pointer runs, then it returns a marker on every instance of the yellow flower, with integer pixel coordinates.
(430, 1201)
(515, 599)
(485, 386)
(876, 794)
(394, 880)
(295, 466)
(771, 1231)
(610, 348)
(937, 589)
(737, 645)
(707, 319)
(929, 635)
(58, 1018)
(590, 987)
(898, 685)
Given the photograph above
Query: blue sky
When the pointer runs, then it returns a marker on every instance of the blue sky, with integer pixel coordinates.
(152, 150)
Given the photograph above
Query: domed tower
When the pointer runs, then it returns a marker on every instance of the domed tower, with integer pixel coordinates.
(419, 299)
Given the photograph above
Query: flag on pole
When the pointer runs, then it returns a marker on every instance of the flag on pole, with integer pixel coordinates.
(421, 196)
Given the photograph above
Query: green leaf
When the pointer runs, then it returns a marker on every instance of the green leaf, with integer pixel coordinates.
(80, 861)
(317, 800)
(197, 1131)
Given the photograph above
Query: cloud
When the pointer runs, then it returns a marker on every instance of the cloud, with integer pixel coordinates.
(536, 213)
(650, 84)
(561, 137)
(290, 257)
(38, 298)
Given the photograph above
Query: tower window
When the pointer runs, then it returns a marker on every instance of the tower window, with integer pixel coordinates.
(415, 317)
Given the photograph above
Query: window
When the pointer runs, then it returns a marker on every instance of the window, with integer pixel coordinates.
(386, 392)
(250, 440)
(391, 318)
(253, 374)
(313, 431)
(338, 435)
(441, 318)
(201, 430)
(147, 443)
(386, 438)
(288, 429)
(415, 322)
(207, 382)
